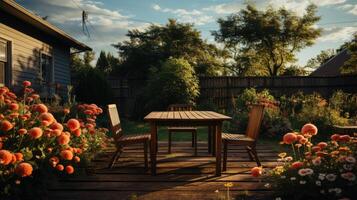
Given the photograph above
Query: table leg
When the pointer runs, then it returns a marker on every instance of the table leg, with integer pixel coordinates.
(153, 147)
(218, 148)
(214, 130)
(209, 139)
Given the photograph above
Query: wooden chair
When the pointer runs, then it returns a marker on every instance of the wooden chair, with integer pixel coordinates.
(249, 139)
(122, 140)
(192, 130)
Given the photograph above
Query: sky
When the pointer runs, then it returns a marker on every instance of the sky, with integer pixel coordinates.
(109, 20)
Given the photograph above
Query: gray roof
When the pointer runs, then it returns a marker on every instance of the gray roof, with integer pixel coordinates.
(332, 66)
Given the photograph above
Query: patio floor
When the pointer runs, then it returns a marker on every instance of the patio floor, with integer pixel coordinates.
(180, 176)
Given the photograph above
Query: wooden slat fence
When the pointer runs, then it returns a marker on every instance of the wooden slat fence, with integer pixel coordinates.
(221, 90)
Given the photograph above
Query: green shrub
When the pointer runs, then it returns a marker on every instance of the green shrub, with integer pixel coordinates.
(92, 86)
(174, 83)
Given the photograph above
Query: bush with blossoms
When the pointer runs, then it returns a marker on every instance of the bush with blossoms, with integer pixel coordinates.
(326, 170)
(33, 140)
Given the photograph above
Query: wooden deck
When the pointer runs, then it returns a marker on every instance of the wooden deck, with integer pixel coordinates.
(180, 176)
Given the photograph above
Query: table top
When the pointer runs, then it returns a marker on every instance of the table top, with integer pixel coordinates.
(186, 116)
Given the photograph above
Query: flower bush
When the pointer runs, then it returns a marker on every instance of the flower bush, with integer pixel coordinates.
(326, 170)
(33, 140)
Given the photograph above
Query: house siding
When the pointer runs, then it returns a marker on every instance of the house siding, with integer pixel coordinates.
(26, 45)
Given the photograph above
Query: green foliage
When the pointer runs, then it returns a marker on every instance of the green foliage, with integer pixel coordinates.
(91, 86)
(350, 66)
(320, 59)
(294, 71)
(176, 82)
(106, 62)
(156, 44)
(267, 39)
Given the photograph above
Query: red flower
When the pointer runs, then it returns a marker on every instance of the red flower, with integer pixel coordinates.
(60, 167)
(19, 156)
(26, 83)
(63, 139)
(256, 171)
(41, 108)
(309, 129)
(69, 169)
(345, 138)
(24, 169)
(335, 137)
(47, 117)
(67, 154)
(297, 165)
(322, 145)
(14, 106)
(289, 138)
(22, 131)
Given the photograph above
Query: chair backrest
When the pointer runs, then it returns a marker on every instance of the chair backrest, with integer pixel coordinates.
(256, 115)
(114, 121)
(180, 107)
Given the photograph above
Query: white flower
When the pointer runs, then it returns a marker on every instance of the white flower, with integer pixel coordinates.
(348, 167)
(277, 198)
(267, 185)
(289, 158)
(316, 161)
(351, 159)
(322, 176)
(322, 191)
(283, 177)
(293, 178)
(336, 190)
(305, 171)
(318, 183)
(302, 182)
(331, 177)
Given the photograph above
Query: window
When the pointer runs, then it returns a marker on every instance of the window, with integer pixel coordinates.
(46, 68)
(3, 61)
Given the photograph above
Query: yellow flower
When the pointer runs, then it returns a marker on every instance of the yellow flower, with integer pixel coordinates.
(282, 155)
(228, 185)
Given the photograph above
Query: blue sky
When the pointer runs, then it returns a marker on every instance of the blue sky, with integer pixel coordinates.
(111, 19)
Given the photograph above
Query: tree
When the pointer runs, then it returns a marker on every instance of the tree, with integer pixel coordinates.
(175, 83)
(350, 66)
(156, 44)
(295, 70)
(267, 38)
(102, 62)
(88, 57)
(320, 59)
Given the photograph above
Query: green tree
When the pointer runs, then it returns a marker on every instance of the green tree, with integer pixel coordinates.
(295, 70)
(269, 38)
(102, 62)
(148, 48)
(88, 57)
(350, 66)
(320, 59)
(176, 82)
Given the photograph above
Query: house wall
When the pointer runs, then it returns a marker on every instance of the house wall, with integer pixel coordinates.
(26, 45)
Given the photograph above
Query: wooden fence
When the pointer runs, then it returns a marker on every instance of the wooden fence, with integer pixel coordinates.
(221, 90)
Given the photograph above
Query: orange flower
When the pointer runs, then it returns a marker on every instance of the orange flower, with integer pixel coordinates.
(67, 154)
(309, 129)
(289, 138)
(48, 117)
(322, 145)
(5, 157)
(76, 159)
(297, 165)
(19, 156)
(256, 171)
(41, 108)
(315, 148)
(60, 167)
(6, 126)
(345, 138)
(69, 169)
(66, 111)
(335, 137)
(63, 139)
(56, 132)
(77, 132)
(14, 106)
(22, 131)
(57, 126)
(35, 132)
(73, 124)
(24, 169)
(26, 83)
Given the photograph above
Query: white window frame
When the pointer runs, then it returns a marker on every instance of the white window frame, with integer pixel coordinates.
(51, 70)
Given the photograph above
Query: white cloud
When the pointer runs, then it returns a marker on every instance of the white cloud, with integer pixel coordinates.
(327, 2)
(189, 16)
(338, 34)
(346, 6)
(353, 10)
(225, 8)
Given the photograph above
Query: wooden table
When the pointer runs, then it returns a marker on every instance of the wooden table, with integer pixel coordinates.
(186, 118)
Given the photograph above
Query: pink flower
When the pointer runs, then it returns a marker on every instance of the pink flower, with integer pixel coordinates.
(309, 129)
(351, 159)
(316, 161)
(289, 138)
(305, 171)
(349, 176)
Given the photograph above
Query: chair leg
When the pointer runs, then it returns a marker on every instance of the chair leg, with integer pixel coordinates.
(254, 152)
(146, 155)
(249, 153)
(225, 152)
(170, 138)
(115, 157)
(195, 140)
